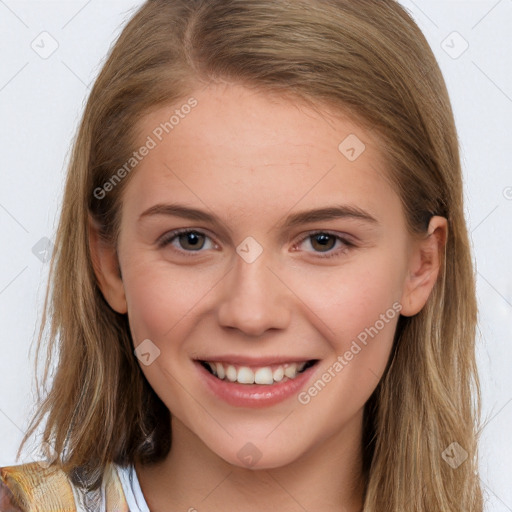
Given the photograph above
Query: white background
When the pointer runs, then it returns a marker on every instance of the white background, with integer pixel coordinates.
(41, 100)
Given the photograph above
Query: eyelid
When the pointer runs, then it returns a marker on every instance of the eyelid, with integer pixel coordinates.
(348, 239)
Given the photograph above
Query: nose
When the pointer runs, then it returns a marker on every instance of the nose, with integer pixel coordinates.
(254, 298)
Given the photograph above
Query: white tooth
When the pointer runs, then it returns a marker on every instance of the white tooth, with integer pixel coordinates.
(264, 376)
(245, 375)
(300, 367)
(220, 370)
(231, 373)
(291, 371)
(212, 367)
(278, 374)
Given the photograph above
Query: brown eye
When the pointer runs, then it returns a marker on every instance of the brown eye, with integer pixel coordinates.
(186, 241)
(191, 240)
(323, 241)
(326, 245)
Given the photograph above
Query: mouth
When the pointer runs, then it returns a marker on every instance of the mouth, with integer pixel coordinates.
(266, 375)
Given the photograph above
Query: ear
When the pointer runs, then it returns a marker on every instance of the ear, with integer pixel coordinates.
(106, 269)
(425, 261)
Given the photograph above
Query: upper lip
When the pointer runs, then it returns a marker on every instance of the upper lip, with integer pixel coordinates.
(255, 361)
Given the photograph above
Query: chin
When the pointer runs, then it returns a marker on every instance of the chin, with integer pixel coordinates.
(254, 455)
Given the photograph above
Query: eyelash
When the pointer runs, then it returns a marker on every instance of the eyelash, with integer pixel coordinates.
(166, 240)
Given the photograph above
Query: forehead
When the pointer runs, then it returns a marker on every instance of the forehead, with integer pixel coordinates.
(244, 151)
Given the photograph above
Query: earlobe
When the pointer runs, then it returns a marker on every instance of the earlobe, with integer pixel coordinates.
(106, 268)
(425, 263)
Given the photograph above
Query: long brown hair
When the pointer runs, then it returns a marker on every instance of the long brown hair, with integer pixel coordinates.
(366, 58)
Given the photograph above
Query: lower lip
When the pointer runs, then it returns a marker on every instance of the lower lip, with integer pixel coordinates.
(254, 395)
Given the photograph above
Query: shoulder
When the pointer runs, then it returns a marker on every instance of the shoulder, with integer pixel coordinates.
(33, 486)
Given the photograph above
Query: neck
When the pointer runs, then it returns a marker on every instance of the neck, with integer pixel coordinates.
(192, 477)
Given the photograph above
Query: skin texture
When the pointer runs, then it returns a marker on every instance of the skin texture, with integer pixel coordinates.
(253, 159)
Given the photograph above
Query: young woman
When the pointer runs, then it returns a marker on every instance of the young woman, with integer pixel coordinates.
(262, 294)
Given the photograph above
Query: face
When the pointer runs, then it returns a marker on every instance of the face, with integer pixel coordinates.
(260, 234)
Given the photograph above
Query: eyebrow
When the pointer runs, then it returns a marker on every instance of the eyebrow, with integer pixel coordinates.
(293, 220)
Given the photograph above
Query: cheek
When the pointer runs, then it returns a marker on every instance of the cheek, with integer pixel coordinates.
(163, 299)
(361, 310)
(349, 299)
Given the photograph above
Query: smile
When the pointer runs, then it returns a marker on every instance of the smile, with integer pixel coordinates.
(255, 382)
(267, 375)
